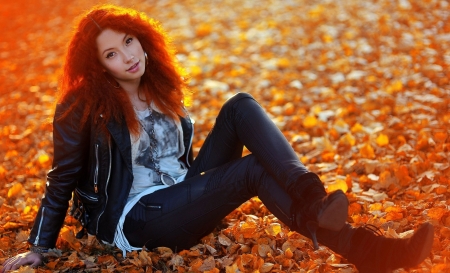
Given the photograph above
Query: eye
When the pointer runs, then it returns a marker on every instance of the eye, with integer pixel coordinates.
(128, 41)
(110, 55)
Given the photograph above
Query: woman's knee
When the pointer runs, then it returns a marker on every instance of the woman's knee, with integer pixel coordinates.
(239, 100)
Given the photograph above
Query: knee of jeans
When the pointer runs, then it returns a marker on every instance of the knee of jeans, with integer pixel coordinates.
(255, 172)
(232, 102)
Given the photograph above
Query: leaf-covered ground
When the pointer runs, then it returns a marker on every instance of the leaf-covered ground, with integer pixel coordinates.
(361, 89)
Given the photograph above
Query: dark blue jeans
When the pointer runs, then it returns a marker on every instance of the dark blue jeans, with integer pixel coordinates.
(220, 180)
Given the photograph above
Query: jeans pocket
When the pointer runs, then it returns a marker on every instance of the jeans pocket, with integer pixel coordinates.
(147, 211)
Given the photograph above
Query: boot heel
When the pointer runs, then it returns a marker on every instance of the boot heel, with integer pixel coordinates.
(312, 228)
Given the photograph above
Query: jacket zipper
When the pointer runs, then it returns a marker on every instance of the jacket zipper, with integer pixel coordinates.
(85, 195)
(106, 186)
(36, 241)
(190, 140)
(96, 170)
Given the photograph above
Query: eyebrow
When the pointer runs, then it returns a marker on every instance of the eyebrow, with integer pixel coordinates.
(124, 37)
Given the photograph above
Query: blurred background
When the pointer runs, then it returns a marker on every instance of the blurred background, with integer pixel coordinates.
(361, 89)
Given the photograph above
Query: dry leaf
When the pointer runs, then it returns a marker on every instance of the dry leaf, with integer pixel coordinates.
(369, 108)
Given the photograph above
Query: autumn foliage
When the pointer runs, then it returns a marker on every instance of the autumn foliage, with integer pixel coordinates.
(361, 89)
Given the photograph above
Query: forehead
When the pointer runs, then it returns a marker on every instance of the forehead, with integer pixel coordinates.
(109, 38)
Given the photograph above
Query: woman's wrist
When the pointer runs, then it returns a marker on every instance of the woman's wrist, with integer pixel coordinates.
(38, 249)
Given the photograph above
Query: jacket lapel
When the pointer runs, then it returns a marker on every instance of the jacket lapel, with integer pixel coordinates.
(121, 136)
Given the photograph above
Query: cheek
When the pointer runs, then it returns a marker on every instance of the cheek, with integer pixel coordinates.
(111, 67)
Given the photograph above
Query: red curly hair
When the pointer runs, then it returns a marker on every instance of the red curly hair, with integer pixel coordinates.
(83, 76)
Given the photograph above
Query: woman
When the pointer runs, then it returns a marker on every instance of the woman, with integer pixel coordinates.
(122, 146)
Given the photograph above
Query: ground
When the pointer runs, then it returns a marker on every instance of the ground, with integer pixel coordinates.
(361, 89)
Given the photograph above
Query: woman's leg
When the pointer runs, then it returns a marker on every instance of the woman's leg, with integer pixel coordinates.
(242, 121)
(179, 216)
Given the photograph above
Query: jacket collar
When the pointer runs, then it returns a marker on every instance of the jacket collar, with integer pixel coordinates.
(121, 136)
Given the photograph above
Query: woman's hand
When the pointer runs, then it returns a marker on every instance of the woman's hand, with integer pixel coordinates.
(27, 258)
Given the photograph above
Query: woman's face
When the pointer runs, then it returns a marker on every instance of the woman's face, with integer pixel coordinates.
(121, 55)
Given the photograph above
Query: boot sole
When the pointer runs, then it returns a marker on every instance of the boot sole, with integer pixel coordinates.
(426, 230)
(334, 215)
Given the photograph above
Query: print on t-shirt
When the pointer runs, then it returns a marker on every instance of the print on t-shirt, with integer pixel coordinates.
(170, 148)
(166, 134)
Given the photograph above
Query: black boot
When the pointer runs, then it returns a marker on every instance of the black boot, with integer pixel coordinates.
(313, 209)
(371, 252)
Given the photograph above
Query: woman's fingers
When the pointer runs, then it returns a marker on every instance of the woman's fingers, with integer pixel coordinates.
(37, 262)
(28, 258)
(8, 264)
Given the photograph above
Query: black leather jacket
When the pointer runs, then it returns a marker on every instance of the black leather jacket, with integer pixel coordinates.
(95, 167)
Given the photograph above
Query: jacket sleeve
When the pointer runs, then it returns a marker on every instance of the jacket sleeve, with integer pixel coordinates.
(70, 152)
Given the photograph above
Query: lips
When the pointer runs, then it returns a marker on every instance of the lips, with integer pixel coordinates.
(133, 67)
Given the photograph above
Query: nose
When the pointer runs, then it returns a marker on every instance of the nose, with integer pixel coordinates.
(128, 57)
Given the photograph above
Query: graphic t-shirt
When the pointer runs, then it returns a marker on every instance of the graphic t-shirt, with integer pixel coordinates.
(169, 148)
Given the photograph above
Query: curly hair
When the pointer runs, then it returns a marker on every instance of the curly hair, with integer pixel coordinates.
(84, 79)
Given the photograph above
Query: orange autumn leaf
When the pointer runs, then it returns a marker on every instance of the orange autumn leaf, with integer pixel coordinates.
(288, 253)
(445, 232)
(439, 268)
(2, 171)
(367, 151)
(15, 190)
(394, 216)
(25, 269)
(357, 128)
(441, 190)
(195, 264)
(339, 184)
(11, 225)
(43, 159)
(436, 213)
(319, 77)
(382, 140)
(376, 206)
(354, 209)
(214, 270)
(246, 261)
(273, 229)
(402, 174)
(310, 121)
(69, 236)
(52, 265)
(204, 29)
(422, 143)
(248, 229)
(394, 87)
(328, 156)
(347, 140)
(440, 136)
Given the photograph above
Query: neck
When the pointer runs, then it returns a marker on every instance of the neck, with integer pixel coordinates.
(132, 88)
(137, 98)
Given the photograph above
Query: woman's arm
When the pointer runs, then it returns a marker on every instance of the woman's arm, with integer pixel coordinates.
(70, 152)
(70, 144)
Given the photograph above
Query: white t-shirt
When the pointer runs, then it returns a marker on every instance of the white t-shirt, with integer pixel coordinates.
(169, 146)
